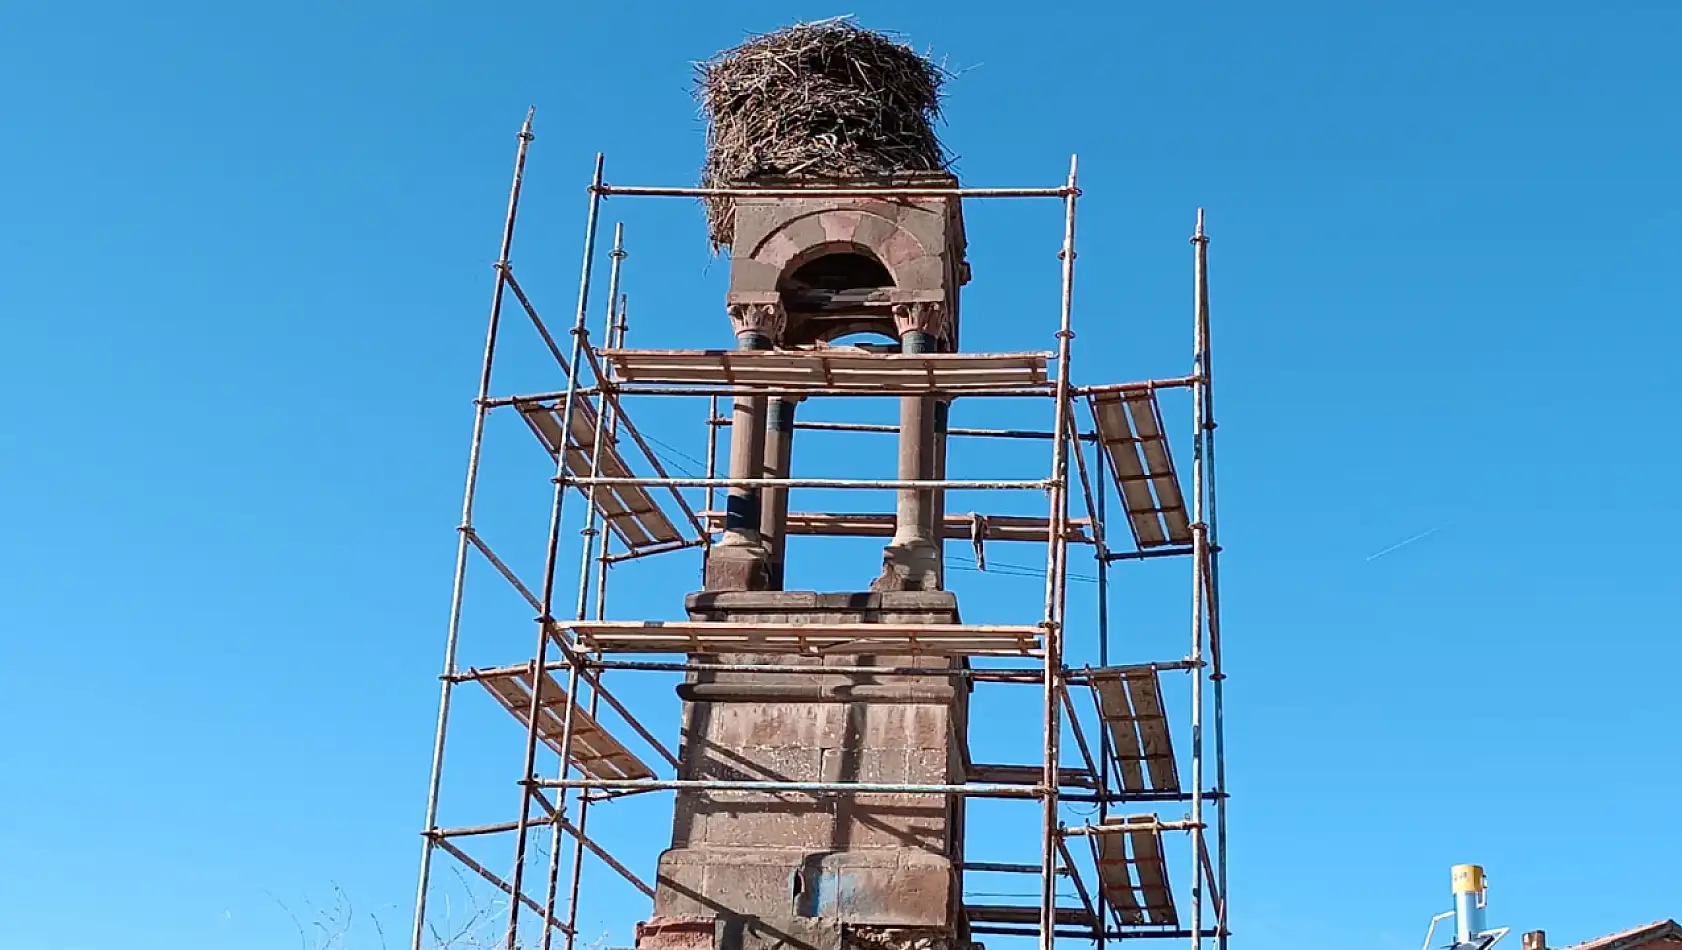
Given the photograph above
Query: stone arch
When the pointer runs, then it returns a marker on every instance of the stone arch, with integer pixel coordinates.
(793, 242)
(865, 255)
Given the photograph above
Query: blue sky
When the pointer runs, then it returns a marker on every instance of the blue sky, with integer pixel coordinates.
(244, 271)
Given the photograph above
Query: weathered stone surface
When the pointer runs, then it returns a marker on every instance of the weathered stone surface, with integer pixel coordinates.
(736, 567)
(802, 870)
(919, 241)
(678, 933)
(908, 568)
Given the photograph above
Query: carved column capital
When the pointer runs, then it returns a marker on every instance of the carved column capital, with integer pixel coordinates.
(766, 319)
(921, 317)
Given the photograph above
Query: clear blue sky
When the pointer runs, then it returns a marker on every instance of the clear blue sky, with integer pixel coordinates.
(244, 270)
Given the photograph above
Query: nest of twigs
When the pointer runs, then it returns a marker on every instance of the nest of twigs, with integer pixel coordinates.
(818, 101)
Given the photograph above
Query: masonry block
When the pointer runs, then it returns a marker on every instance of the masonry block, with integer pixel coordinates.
(781, 870)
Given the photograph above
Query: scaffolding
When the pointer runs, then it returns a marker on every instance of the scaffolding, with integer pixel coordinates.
(1120, 881)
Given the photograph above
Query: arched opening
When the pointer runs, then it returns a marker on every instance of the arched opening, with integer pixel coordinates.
(845, 270)
(836, 289)
(833, 280)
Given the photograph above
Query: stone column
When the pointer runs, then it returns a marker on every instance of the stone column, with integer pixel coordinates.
(773, 516)
(911, 560)
(738, 561)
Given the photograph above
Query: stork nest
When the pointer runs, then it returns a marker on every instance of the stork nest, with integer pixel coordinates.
(824, 100)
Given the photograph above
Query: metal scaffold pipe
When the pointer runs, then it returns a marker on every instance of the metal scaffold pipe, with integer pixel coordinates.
(1056, 551)
(464, 533)
(615, 336)
(579, 333)
(598, 441)
(843, 192)
(1200, 552)
(1217, 676)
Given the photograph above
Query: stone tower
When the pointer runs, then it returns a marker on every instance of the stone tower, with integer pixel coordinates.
(820, 871)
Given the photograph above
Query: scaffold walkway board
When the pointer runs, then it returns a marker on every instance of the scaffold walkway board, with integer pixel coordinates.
(840, 368)
(594, 751)
(1132, 872)
(1130, 704)
(887, 639)
(959, 527)
(1007, 914)
(1028, 775)
(629, 510)
(1130, 428)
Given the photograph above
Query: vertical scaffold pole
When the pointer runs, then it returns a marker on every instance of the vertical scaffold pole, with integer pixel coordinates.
(712, 472)
(1200, 551)
(1054, 575)
(458, 588)
(1101, 544)
(545, 622)
(1213, 580)
(601, 434)
(615, 336)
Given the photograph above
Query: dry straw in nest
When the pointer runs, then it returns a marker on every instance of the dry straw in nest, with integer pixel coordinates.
(817, 100)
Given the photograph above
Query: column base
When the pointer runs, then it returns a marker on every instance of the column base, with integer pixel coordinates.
(738, 564)
(909, 565)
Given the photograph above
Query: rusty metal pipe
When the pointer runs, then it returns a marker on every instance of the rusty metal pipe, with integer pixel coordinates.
(822, 788)
(503, 827)
(643, 191)
(888, 428)
(874, 483)
(1056, 554)
(728, 392)
(458, 588)
(1212, 549)
(1143, 385)
(580, 331)
(974, 675)
(1199, 543)
(599, 442)
(497, 882)
(1117, 827)
(871, 693)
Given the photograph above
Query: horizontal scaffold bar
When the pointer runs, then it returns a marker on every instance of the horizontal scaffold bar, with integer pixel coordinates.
(883, 483)
(1143, 385)
(1030, 676)
(1120, 827)
(955, 431)
(1044, 390)
(726, 391)
(1130, 933)
(821, 788)
(861, 191)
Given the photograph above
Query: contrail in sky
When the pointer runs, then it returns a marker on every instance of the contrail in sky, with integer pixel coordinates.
(1402, 544)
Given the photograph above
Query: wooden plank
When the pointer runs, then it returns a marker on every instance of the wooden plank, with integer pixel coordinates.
(1154, 739)
(1115, 878)
(1117, 713)
(1130, 429)
(809, 639)
(829, 368)
(629, 510)
(1130, 704)
(1133, 874)
(1152, 873)
(1115, 432)
(1007, 914)
(958, 527)
(1147, 421)
(1028, 775)
(595, 751)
